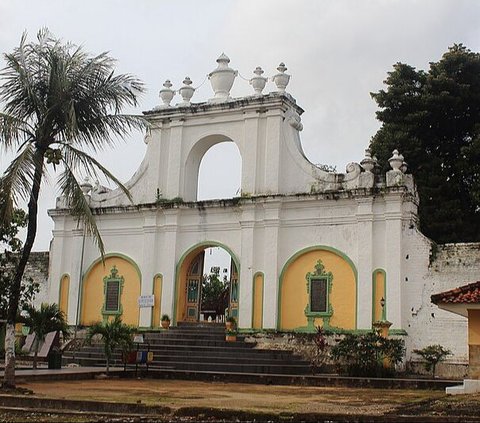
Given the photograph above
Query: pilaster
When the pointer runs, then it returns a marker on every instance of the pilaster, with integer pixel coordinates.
(168, 261)
(364, 265)
(247, 224)
(393, 248)
(148, 264)
(270, 301)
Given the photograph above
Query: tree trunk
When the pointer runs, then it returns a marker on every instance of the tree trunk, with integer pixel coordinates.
(9, 356)
(108, 365)
(35, 353)
(9, 376)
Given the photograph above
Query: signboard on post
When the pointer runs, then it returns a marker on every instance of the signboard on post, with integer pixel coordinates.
(146, 300)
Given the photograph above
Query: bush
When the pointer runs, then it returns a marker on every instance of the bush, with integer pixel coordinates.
(432, 355)
(368, 355)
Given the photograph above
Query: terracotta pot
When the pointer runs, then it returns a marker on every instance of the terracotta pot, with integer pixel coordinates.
(228, 325)
(165, 324)
(230, 338)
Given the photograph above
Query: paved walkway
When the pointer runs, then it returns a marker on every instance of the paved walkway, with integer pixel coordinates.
(64, 372)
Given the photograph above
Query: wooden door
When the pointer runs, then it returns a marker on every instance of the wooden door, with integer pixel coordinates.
(233, 306)
(193, 288)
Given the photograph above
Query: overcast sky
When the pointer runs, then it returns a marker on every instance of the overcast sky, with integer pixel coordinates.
(336, 51)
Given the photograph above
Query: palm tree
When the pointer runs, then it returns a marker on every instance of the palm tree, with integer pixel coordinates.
(114, 333)
(57, 102)
(47, 319)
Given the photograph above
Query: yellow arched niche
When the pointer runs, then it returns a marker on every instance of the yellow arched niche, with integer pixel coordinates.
(93, 297)
(293, 289)
(63, 295)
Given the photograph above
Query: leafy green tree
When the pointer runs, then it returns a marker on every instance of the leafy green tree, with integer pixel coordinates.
(214, 291)
(58, 102)
(433, 118)
(48, 318)
(114, 333)
(432, 354)
(366, 354)
(9, 258)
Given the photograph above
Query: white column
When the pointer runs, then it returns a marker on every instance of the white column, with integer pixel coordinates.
(250, 153)
(271, 166)
(56, 268)
(176, 165)
(168, 261)
(246, 266)
(76, 276)
(148, 264)
(364, 265)
(270, 299)
(393, 247)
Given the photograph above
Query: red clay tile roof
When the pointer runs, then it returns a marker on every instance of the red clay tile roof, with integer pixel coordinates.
(465, 294)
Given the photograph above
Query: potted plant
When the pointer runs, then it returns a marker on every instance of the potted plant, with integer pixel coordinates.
(230, 323)
(165, 321)
(230, 335)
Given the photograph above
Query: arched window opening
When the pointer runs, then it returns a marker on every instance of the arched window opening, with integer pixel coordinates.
(220, 172)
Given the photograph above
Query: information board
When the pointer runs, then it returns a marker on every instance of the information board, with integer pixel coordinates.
(318, 295)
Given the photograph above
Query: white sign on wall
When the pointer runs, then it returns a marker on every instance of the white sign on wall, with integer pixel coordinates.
(146, 300)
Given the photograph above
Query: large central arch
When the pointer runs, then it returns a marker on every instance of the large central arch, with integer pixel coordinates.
(181, 274)
(194, 158)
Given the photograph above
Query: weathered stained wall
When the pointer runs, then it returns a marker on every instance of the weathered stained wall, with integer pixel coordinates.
(446, 267)
(38, 269)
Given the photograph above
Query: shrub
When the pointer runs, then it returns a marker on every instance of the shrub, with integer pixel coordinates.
(368, 354)
(165, 318)
(433, 354)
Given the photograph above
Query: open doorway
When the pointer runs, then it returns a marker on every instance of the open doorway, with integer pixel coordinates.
(207, 285)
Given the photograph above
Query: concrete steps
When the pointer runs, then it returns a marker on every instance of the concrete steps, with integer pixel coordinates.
(200, 348)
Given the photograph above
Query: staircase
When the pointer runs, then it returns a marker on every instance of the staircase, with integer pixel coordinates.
(200, 348)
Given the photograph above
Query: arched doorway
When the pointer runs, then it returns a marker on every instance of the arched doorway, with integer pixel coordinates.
(205, 292)
(223, 167)
(220, 172)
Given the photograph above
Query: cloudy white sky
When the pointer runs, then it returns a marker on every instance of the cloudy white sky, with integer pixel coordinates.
(337, 51)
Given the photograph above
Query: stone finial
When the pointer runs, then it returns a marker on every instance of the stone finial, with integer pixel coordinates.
(258, 82)
(404, 167)
(86, 186)
(186, 92)
(281, 79)
(166, 94)
(396, 161)
(368, 163)
(222, 79)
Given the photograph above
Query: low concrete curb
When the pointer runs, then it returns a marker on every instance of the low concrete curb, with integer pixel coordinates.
(29, 402)
(141, 412)
(301, 380)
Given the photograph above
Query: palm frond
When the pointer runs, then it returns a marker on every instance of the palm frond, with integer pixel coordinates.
(83, 163)
(70, 187)
(13, 131)
(16, 181)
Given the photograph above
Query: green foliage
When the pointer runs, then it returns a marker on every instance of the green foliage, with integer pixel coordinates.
(432, 354)
(232, 320)
(165, 318)
(113, 333)
(58, 102)
(214, 291)
(48, 318)
(433, 118)
(9, 258)
(366, 354)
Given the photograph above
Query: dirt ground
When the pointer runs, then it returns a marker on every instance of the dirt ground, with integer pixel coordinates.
(287, 400)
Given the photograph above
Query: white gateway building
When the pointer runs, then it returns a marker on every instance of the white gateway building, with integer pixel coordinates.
(308, 247)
